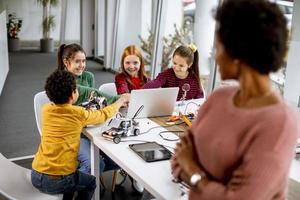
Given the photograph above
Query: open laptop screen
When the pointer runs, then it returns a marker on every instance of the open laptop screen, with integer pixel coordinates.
(157, 102)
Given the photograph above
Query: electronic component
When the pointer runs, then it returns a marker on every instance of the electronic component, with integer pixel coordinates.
(122, 127)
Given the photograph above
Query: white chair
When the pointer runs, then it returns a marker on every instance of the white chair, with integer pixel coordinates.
(15, 183)
(109, 88)
(39, 100)
(204, 92)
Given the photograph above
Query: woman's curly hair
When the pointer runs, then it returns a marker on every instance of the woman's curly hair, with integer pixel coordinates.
(254, 31)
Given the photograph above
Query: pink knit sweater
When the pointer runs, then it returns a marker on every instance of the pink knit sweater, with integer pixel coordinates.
(258, 141)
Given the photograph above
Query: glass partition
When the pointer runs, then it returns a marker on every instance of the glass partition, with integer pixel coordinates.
(134, 27)
(72, 29)
(278, 78)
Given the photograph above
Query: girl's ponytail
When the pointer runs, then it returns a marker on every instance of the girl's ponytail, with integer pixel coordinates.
(60, 62)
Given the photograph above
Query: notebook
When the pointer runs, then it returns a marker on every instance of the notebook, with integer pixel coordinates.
(151, 102)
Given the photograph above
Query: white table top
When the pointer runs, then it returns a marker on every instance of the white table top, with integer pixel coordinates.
(156, 176)
(295, 171)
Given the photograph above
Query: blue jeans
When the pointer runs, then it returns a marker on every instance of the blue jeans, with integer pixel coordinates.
(84, 184)
(84, 158)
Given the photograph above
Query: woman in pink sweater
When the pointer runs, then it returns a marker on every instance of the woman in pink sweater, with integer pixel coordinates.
(242, 143)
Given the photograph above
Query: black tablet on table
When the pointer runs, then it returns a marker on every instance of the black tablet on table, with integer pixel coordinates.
(151, 151)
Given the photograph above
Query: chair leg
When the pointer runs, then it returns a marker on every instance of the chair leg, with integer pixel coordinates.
(68, 196)
(102, 182)
(115, 174)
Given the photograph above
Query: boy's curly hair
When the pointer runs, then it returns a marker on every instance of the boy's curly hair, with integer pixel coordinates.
(254, 31)
(59, 86)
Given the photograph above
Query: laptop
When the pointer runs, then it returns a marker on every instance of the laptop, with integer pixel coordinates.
(151, 102)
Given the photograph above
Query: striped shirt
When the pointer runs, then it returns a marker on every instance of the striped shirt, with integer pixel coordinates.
(168, 78)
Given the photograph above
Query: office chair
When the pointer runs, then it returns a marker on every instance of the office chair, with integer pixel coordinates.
(15, 183)
(109, 88)
(39, 100)
(204, 92)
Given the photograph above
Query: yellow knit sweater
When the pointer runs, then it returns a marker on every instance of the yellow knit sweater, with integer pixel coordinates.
(61, 128)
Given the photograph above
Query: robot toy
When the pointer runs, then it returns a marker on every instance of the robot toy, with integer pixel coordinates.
(94, 102)
(122, 127)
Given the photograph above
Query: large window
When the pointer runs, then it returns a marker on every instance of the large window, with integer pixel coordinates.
(134, 27)
(278, 78)
(190, 21)
(72, 34)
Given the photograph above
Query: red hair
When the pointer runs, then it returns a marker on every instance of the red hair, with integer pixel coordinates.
(133, 50)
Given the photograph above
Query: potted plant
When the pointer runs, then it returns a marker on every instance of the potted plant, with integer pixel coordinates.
(48, 24)
(181, 36)
(13, 26)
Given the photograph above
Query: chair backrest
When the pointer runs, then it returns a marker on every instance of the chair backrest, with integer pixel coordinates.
(39, 100)
(15, 183)
(204, 92)
(109, 88)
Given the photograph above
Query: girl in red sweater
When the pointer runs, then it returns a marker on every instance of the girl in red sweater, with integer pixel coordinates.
(132, 75)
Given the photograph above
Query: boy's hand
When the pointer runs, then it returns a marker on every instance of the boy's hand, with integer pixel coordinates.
(123, 100)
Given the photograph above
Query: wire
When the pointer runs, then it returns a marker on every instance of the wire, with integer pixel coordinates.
(189, 104)
(160, 127)
(119, 115)
(138, 111)
(168, 139)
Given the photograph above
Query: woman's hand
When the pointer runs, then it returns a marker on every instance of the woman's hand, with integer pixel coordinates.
(175, 167)
(236, 180)
(184, 159)
(185, 153)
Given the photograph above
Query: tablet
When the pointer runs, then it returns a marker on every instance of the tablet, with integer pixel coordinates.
(151, 151)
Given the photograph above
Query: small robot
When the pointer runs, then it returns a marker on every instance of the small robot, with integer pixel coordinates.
(121, 127)
(95, 102)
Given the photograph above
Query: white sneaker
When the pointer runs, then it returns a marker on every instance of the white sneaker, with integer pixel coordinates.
(137, 186)
(121, 177)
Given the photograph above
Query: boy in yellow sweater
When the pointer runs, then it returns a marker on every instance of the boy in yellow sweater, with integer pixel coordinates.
(54, 168)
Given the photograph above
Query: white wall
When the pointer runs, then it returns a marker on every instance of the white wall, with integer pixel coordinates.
(86, 31)
(100, 27)
(204, 29)
(135, 19)
(174, 15)
(129, 27)
(292, 84)
(31, 14)
(109, 32)
(73, 20)
(4, 68)
(146, 18)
